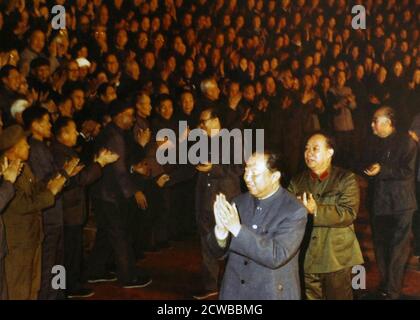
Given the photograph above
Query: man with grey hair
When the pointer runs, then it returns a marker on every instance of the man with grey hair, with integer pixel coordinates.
(210, 94)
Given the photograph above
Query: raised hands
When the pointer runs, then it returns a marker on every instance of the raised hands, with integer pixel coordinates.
(105, 157)
(143, 137)
(226, 215)
(56, 184)
(310, 203)
(12, 170)
(70, 167)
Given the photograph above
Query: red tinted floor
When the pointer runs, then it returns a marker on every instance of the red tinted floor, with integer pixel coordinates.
(175, 271)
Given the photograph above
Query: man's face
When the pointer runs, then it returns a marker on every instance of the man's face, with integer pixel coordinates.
(149, 61)
(166, 109)
(189, 67)
(249, 93)
(317, 153)
(37, 41)
(270, 86)
(398, 69)
(112, 64)
(143, 40)
(213, 91)
(12, 82)
(78, 97)
(258, 178)
(210, 125)
(42, 127)
(360, 72)
(380, 124)
(126, 119)
(43, 73)
(21, 149)
(68, 135)
(341, 79)
(73, 71)
(144, 107)
(110, 94)
(187, 103)
(234, 89)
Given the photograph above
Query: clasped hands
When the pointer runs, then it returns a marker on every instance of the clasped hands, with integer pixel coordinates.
(227, 218)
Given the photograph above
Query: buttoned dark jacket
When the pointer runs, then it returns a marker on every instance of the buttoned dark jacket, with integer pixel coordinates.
(262, 261)
(43, 166)
(74, 195)
(392, 191)
(116, 184)
(222, 178)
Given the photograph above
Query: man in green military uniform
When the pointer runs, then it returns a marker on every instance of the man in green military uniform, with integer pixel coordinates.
(22, 218)
(331, 196)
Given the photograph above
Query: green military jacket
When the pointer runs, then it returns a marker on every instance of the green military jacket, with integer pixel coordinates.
(22, 217)
(333, 244)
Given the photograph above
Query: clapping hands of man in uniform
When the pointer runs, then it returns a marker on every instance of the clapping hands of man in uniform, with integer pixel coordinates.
(10, 171)
(309, 202)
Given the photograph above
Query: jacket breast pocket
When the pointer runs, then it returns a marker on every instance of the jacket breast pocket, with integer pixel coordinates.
(328, 198)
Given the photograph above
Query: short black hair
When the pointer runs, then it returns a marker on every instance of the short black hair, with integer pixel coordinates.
(162, 98)
(61, 123)
(5, 71)
(102, 88)
(39, 62)
(31, 114)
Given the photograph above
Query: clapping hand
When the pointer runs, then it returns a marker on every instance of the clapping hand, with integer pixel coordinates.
(373, 170)
(309, 203)
(106, 157)
(143, 137)
(163, 179)
(56, 184)
(141, 200)
(12, 170)
(228, 216)
(70, 166)
(204, 167)
(221, 230)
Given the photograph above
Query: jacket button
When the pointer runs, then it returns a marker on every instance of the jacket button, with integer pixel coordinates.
(255, 227)
(280, 287)
(242, 281)
(208, 185)
(245, 263)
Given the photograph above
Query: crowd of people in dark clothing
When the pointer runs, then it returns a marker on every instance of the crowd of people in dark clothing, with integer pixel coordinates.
(95, 94)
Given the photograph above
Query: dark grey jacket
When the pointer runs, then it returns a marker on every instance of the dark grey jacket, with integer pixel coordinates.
(222, 178)
(263, 258)
(117, 183)
(74, 193)
(41, 161)
(392, 191)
